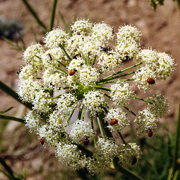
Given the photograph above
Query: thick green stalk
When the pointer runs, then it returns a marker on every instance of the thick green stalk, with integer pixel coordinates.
(101, 128)
(12, 93)
(12, 118)
(53, 11)
(133, 113)
(125, 171)
(114, 81)
(65, 52)
(103, 88)
(115, 77)
(177, 140)
(121, 71)
(123, 140)
(8, 170)
(34, 14)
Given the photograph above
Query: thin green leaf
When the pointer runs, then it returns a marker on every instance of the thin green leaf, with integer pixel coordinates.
(34, 14)
(12, 118)
(53, 11)
(2, 112)
(13, 94)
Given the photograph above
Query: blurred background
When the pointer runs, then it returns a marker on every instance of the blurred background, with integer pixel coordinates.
(160, 29)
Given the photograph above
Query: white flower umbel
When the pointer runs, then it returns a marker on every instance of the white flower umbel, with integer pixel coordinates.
(42, 101)
(121, 93)
(82, 26)
(28, 88)
(165, 66)
(76, 64)
(158, 104)
(70, 155)
(94, 101)
(53, 78)
(117, 119)
(147, 122)
(53, 58)
(108, 61)
(55, 37)
(88, 75)
(128, 33)
(81, 129)
(78, 84)
(102, 32)
(141, 77)
(32, 120)
(129, 154)
(106, 148)
(52, 134)
(127, 49)
(32, 55)
(28, 72)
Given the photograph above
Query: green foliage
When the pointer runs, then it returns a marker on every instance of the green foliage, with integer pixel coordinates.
(155, 3)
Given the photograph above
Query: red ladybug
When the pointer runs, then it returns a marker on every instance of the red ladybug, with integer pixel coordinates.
(151, 81)
(85, 140)
(113, 122)
(150, 133)
(72, 72)
(42, 140)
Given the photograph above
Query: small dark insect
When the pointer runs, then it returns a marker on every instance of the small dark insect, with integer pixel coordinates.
(42, 141)
(150, 133)
(72, 72)
(127, 58)
(85, 140)
(113, 122)
(106, 49)
(151, 81)
(50, 56)
(134, 160)
(18, 71)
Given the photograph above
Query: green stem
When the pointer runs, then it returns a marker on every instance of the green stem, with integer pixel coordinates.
(34, 14)
(101, 127)
(123, 70)
(8, 169)
(126, 172)
(115, 77)
(12, 93)
(103, 88)
(115, 81)
(123, 140)
(53, 11)
(12, 118)
(177, 140)
(141, 99)
(65, 52)
(133, 113)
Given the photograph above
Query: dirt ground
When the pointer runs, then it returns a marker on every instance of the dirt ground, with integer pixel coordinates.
(160, 29)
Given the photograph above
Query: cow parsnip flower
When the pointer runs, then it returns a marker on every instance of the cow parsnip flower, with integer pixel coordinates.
(80, 92)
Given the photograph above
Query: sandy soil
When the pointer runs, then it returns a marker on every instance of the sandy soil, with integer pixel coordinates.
(160, 31)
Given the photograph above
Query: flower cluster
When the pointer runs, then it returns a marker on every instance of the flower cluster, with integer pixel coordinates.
(80, 92)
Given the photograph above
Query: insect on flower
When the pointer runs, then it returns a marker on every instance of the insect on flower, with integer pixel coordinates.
(42, 141)
(72, 72)
(151, 81)
(85, 140)
(113, 122)
(150, 133)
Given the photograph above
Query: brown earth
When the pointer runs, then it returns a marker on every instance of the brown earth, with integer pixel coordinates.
(160, 29)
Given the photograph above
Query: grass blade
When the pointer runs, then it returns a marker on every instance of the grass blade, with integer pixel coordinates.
(53, 12)
(12, 118)
(13, 94)
(34, 14)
